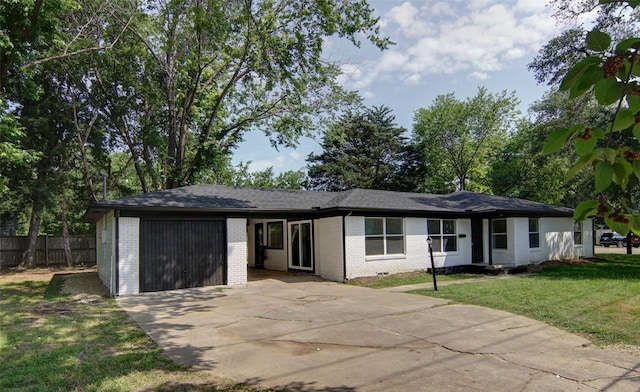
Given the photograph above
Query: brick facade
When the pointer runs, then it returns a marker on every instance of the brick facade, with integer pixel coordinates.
(329, 253)
(236, 251)
(129, 249)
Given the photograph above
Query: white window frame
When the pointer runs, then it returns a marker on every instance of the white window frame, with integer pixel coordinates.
(578, 228)
(494, 234)
(384, 237)
(442, 236)
(535, 233)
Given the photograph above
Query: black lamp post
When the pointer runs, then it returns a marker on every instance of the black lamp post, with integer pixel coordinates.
(433, 267)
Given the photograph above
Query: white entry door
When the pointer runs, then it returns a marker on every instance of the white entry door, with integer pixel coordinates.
(301, 246)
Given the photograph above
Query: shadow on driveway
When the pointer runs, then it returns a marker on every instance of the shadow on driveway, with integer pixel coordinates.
(301, 333)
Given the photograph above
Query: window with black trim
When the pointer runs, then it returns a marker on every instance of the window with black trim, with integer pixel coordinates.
(577, 233)
(443, 234)
(384, 236)
(499, 234)
(534, 233)
(274, 235)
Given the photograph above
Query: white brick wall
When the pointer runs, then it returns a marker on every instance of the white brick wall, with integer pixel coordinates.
(129, 249)
(358, 264)
(236, 251)
(556, 241)
(329, 255)
(105, 250)
(416, 255)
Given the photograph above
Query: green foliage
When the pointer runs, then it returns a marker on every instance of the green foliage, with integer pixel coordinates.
(612, 73)
(158, 94)
(363, 149)
(533, 166)
(220, 69)
(458, 140)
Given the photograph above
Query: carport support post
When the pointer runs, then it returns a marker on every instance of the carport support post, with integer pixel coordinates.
(433, 267)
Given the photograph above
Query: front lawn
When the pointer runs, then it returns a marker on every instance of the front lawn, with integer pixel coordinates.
(52, 342)
(599, 300)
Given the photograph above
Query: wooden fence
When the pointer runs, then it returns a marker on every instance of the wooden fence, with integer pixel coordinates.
(49, 250)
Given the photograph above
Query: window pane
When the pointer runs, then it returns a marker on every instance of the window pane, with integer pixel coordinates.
(437, 244)
(395, 245)
(450, 243)
(394, 226)
(499, 226)
(305, 244)
(295, 245)
(578, 226)
(373, 226)
(577, 238)
(433, 226)
(500, 241)
(448, 226)
(534, 240)
(374, 246)
(533, 225)
(274, 239)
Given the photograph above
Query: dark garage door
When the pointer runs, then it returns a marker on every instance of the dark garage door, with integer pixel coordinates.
(177, 254)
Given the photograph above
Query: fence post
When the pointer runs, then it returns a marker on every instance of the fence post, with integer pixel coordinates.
(46, 250)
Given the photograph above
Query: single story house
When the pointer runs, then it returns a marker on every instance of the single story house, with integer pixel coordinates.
(206, 235)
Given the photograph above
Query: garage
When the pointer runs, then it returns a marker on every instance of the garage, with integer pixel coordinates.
(178, 254)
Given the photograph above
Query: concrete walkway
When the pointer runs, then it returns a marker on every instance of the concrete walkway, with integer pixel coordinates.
(304, 334)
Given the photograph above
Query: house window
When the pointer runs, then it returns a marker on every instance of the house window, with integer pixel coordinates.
(534, 233)
(577, 233)
(384, 236)
(274, 235)
(499, 233)
(443, 234)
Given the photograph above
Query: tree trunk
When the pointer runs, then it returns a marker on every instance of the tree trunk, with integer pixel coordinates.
(29, 255)
(65, 233)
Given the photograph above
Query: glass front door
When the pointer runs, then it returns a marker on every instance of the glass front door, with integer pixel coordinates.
(301, 246)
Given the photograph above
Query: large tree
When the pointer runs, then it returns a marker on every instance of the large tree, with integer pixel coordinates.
(200, 74)
(610, 72)
(458, 139)
(522, 170)
(364, 149)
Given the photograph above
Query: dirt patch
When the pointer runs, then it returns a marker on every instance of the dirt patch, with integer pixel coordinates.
(366, 280)
(555, 263)
(39, 274)
(83, 283)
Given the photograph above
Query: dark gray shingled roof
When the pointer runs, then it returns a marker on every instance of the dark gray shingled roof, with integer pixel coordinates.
(222, 198)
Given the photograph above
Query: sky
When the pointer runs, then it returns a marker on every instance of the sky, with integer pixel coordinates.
(441, 47)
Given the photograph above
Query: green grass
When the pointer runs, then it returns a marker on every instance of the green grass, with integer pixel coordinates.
(379, 282)
(49, 342)
(600, 301)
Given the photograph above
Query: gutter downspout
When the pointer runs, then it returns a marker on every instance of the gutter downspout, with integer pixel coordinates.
(344, 247)
(490, 243)
(116, 216)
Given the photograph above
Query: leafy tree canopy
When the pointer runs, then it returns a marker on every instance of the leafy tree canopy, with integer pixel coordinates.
(610, 72)
(458, 139)
(364, 149)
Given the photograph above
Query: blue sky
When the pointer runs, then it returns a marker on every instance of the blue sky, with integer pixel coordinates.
(441, 47)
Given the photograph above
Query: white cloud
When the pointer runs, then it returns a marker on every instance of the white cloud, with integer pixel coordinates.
(407, 17)
(529, 6)
(281, 161)
(480, 75)
(475, 37)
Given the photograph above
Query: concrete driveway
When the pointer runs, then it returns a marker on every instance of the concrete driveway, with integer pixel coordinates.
(305, 334)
